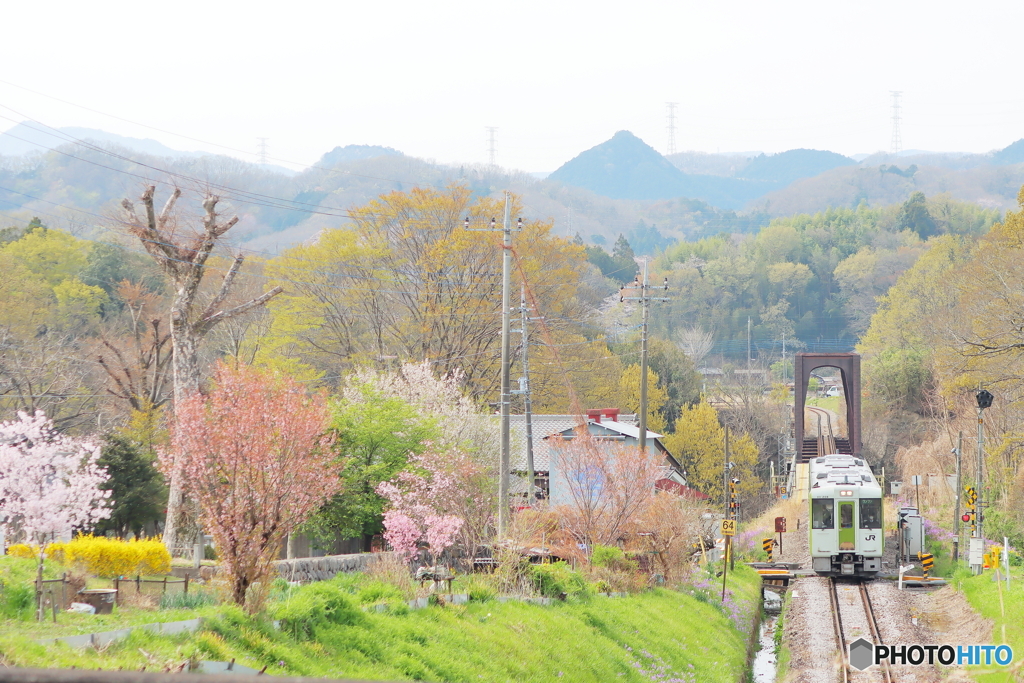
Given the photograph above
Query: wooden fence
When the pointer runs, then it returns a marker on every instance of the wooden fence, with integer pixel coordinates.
(163, 583)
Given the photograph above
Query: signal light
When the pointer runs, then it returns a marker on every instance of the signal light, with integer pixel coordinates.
(966, 518)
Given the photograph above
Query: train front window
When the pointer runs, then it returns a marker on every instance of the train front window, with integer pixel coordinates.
(822, 513)
(870, 513)
(846, 516)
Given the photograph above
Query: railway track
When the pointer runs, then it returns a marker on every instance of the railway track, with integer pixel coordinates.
(853, 617)
(826, 435)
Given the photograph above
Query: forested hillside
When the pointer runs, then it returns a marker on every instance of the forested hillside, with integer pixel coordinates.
(948, 326)
(809, 277)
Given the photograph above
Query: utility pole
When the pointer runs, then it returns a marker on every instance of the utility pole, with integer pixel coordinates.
(524, 389)
(506, 284)
(645, 300)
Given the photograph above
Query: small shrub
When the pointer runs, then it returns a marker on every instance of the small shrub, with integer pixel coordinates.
(378, 591)
(191, 600)
(554, 580)
(612, 557)
(110, 557)
(313, 606)
(16, 601)
(481, 590)
(389, 568)
(213, 645)
(23, 551)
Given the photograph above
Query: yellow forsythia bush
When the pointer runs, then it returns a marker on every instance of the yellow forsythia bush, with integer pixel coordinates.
(23, 550)
(110, 557)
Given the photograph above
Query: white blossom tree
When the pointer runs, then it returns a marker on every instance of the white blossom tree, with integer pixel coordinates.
(49, 482)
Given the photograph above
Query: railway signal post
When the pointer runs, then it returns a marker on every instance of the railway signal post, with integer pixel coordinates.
(780, 528)
(956, 499)
(984, 399)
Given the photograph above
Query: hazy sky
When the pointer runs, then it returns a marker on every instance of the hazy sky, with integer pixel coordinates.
(554, 77)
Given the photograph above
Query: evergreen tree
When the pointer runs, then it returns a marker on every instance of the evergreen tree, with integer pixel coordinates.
(625, 260)
(138, 495)
(914, 216)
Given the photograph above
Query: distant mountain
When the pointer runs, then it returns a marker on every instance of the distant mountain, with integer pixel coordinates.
(786, 167)
(1011, 154)
(342, 155)
(28, 137)
(626, 167)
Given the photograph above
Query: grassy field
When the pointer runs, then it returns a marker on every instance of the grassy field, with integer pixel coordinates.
(833, 403)
(325, 631)
(1004, 608)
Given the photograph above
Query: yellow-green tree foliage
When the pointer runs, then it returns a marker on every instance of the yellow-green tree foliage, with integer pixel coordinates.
(912, 320)
(407, 281)
(47, 313)
(699, 444)
(629, 385)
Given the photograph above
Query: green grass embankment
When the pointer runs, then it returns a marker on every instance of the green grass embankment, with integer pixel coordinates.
(324, 632)
(1004, 607)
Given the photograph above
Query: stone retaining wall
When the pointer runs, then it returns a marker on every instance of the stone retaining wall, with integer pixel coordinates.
(307, 569)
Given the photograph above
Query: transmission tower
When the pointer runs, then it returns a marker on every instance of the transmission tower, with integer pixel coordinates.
(897, 142)
(671, 126)
(262, 154)
(491, 148)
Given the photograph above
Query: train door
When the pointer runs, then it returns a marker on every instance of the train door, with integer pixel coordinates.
(847, 531)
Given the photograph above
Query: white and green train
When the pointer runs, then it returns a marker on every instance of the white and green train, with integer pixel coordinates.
(845, 535)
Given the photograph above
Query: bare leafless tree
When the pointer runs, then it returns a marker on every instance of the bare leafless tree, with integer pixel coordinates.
(185, 262)
(696, 342)
(138, 362)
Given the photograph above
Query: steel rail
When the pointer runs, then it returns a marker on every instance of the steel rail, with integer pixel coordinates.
(837, 623)
(826, 435)
(876, 634)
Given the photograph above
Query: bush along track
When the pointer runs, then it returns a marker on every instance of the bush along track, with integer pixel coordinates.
(324, 630)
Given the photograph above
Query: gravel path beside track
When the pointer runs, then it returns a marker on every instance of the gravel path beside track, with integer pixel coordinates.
(809, 634)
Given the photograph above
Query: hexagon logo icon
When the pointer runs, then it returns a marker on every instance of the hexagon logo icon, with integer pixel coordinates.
(862, 654)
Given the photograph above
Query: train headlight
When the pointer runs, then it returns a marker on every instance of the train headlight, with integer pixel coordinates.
(846, 493)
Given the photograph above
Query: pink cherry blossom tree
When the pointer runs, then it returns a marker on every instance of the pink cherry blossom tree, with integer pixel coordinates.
(254, 454)
(443, 499)
(49, 482)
